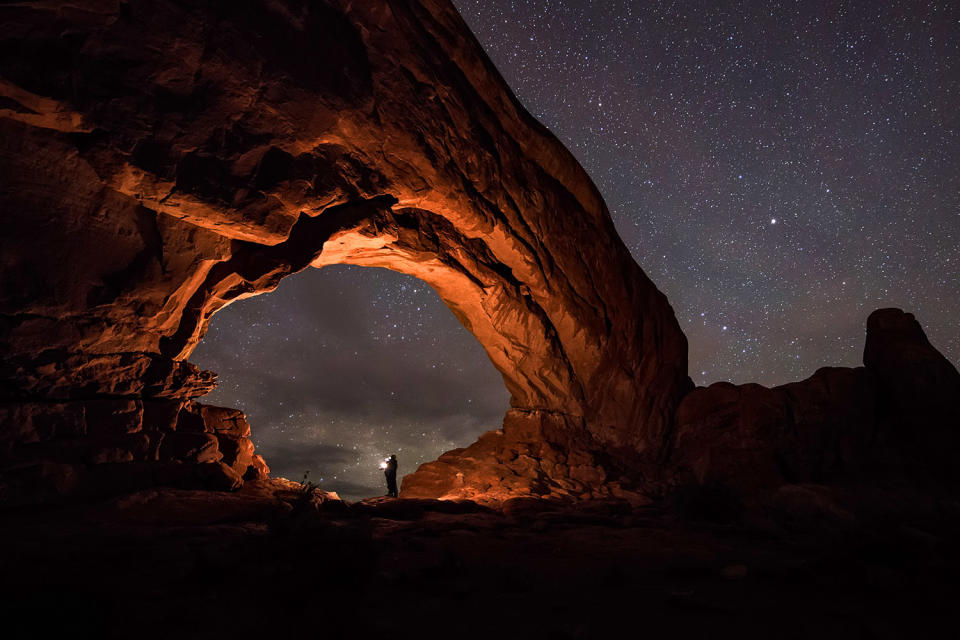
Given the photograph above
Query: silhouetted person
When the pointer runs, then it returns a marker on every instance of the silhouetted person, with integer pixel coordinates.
(390, 471)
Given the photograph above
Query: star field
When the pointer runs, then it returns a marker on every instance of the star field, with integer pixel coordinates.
(779, 170)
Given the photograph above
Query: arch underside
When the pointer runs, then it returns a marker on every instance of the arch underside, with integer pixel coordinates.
(481, 292)
(528, 456)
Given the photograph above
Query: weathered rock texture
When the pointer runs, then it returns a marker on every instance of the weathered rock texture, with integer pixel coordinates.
(894, 422)
(161, 159)
(106, 445)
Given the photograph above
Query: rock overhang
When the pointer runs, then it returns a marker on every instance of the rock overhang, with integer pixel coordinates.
(209, 162)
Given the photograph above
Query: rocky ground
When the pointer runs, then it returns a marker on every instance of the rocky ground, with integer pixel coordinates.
(277, 562)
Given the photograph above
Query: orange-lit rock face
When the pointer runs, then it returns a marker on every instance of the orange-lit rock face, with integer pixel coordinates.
(160, 161)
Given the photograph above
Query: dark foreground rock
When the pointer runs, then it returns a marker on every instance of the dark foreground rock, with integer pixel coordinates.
(274, 561)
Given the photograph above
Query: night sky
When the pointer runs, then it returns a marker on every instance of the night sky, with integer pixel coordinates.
(779, 169)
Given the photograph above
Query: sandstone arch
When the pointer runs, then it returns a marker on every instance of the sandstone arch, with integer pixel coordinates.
(162, 159)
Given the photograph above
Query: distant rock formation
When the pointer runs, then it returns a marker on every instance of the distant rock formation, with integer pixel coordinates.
(893, 422)
(162, 159)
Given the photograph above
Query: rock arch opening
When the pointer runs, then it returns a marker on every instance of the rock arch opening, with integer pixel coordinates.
(341, 366)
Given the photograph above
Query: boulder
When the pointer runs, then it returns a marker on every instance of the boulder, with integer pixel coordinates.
(237, 452)
(224, 421)
(258, 469)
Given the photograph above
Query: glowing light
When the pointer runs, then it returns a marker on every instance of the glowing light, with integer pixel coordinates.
(773, 221)
(383, 465)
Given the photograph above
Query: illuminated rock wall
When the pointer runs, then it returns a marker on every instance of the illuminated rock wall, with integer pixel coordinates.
(162, 159)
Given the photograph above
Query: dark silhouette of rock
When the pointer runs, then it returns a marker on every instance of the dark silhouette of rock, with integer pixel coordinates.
(814, 566)
(918, 404)
(894, 422)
